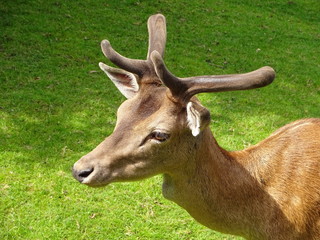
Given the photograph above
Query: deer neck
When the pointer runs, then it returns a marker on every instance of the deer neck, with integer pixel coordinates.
(213, 187)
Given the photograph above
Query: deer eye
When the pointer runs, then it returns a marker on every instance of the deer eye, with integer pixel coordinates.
(159, 136)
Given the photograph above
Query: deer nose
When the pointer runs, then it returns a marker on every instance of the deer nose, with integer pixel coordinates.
(82, 174)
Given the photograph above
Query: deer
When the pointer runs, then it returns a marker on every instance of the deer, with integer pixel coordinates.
(270, 190)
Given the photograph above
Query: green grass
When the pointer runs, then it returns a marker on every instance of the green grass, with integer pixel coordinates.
(56, 105)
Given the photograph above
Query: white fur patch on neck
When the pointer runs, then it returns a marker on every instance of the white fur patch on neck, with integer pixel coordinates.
(193, 118)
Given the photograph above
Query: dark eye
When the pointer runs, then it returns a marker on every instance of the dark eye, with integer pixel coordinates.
(159, 136)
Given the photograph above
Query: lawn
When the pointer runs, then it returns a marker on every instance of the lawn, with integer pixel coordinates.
(56, 105)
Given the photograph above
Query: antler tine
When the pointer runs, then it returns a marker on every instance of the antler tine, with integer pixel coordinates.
(157, 34)
(176, 86)
(184, 88)
(157, 41)
(132, 65)
(232, 82)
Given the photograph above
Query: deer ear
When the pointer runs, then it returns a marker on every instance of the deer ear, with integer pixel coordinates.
(198, 117)
(125, 81)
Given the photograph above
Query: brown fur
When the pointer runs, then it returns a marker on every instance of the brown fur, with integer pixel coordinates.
(270, 191)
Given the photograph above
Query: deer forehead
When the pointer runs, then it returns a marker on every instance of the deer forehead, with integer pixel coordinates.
(150, 108)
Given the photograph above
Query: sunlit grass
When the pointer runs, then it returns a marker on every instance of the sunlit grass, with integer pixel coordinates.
(56, 105)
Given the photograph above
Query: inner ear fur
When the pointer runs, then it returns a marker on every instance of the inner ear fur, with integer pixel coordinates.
(126, 82)
(198, 117)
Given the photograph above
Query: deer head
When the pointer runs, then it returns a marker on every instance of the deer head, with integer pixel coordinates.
(161, 121)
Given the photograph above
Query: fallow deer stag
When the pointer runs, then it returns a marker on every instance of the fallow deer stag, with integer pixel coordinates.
(268, 191)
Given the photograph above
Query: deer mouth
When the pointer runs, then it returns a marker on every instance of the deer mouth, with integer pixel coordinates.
(91, 177)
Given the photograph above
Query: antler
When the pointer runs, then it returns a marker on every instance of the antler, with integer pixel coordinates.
(157, 34)
(157, 41)
(184, 88)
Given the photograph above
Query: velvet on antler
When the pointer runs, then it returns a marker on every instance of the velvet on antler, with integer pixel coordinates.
(184, 88)
(157, 41)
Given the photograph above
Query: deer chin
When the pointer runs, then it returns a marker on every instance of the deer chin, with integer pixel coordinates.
(97, 179)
